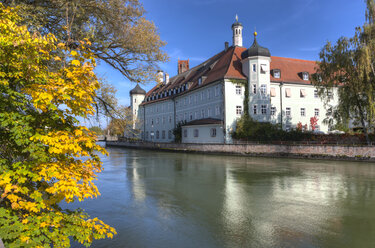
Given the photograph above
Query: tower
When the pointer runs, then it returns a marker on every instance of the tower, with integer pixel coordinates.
(237, 33)
(137, 95)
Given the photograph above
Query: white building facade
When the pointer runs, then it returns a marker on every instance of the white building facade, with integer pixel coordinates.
(207, 100)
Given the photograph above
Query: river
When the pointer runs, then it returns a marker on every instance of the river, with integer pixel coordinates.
(164, 199)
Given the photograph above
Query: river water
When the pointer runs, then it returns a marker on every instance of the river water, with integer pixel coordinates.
(162, 199)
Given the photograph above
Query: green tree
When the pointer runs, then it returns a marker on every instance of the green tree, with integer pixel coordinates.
(46, 157)
(349, 66)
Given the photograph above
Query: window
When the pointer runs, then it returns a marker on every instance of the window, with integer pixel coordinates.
(170, 134)
(202, 113)
(157, 134)
(238, 90)
(202, 96)
(163, 120)
(191, 115)
(273, 110)
(196, 115)
(157, 120)
(213, 132)
(196, 133)
(316, 94)
(273, 92)
(288, 112)
(254, 67)
(254, 109)
(263, 68)
(208, 93)
(209, 112)
(238, 110)
(200, 81)
(217, 91)
(190, 99)
(305, 76)
(276, 73)
(303, 112)
(196, 98)
(288, 92)
(254, 88)
(217, 110)
(152, 121)
(185, 133)
(170, 119)
(263, 89)
(135, 99)
(302, 93)
(264, 109)
(185, 100)
(316, 112)
(330, 94)
(163, 134)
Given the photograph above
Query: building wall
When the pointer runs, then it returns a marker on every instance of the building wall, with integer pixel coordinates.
(295, 102)
(232, 102)
(136, 100)
(203, 133)
(205, 102)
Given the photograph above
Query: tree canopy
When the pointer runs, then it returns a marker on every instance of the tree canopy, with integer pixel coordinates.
(46, 157)
(119, 33)
(349, 65)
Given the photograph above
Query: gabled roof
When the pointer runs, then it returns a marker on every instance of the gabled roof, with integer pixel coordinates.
(291, 69)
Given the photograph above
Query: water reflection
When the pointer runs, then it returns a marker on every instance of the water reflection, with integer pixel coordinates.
(161, 199)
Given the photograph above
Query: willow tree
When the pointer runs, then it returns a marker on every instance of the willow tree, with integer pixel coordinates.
(349, 65)
(46, 157)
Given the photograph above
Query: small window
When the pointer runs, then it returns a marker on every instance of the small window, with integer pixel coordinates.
(217, 91)
(191, 116)
(217, 110)
(170, 119)
(254, 109)
(200, 81)
(273, 92)
(316, 112)
(263, 68)
(276, 73)
(305, 76)
(238, 90)
(254, 67)
(302, 93)
(170, 134)
(163, 134)
(288, 112)
(213, 132)
(288, 92)
(196, 133)
(135, 99)
(190, 99)
(303, 112)
(209, 112)
(239, 110)
(264, 109)
(263, 89)
(273, 110)
(316, 94)
(202, 113)
(254, 88)
(185, 133)
(157, 134)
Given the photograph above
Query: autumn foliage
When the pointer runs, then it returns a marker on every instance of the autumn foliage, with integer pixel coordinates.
(46, 157)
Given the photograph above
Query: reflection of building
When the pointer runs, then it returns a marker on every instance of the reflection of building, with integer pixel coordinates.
(210, 97)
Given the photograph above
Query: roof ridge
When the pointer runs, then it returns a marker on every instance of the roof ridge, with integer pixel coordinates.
(304, 60)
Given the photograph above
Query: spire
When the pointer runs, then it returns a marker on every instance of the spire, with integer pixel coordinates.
(237, 33)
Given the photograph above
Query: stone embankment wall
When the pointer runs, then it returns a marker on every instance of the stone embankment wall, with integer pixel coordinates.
(269, 150)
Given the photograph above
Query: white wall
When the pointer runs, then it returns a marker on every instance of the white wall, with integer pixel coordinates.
(204, 134)
(232, 100)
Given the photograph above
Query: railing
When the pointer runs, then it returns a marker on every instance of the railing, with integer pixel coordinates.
(307, 142)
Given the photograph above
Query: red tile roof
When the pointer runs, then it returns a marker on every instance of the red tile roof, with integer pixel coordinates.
(291, 69)
(227, 64)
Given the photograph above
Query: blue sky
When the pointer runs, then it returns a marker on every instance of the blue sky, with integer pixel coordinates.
(197, 29)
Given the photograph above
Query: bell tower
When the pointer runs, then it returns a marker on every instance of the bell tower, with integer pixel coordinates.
(237, 33)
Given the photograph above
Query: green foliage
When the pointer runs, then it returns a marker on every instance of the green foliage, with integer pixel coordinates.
(46, 157)
(246, 94)
(248, 129)
(177, 132)
(350, 65)
(97, 130)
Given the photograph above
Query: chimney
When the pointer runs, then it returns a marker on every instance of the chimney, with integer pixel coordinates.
(182, 66)
(166, 78)
(159, 77)
(226, 45)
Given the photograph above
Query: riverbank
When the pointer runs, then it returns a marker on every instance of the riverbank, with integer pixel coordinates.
(337, 152)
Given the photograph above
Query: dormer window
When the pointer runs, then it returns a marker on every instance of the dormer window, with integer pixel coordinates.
(200, 81)
(305, 76)
(276, 73)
